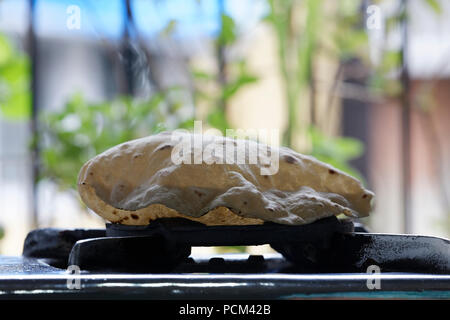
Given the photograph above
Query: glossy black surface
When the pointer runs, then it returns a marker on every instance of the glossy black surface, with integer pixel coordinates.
(31, 278)
(324, 259)
(324, 246)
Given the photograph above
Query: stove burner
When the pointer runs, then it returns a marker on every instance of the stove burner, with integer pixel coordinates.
(327, 245)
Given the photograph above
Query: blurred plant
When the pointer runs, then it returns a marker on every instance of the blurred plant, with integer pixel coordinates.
(399, 22)
(337, 151)
(14, 86)
(385, 77)
(238, 77)
(230, 76)
(14, 82)
(80, 130)
(295, 51)
(298, 26)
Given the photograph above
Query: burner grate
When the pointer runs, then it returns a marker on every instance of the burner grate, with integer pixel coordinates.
(327, 245)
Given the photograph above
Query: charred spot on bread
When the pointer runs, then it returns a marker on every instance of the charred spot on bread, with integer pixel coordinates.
(289, 159)
(198, 193)
(164, 147)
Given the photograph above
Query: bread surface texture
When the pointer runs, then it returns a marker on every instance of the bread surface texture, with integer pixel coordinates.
(138, 181)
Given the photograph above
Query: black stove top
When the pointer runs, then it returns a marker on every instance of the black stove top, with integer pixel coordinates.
(325, 259)
(32, 278)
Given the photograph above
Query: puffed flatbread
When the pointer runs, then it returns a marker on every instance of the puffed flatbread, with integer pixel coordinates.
(138, 181)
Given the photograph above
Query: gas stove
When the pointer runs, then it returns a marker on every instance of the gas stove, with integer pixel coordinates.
(329, 258)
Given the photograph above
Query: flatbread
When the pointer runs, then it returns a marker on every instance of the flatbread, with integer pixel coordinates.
(138, 181)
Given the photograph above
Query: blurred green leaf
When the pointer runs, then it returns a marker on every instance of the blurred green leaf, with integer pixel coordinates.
(227, 35)
(216, 118)
(202, 75)
(435, 5)
(170, 28)
(237, 76)
(231, 249)
(16, 107)
(337, 151)
(15, 99)
(6, 50)
(80, 130)
(232, 87)
(351, 42)
(188, 124)
(349, 8)
(391, 60)
(2, 232)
